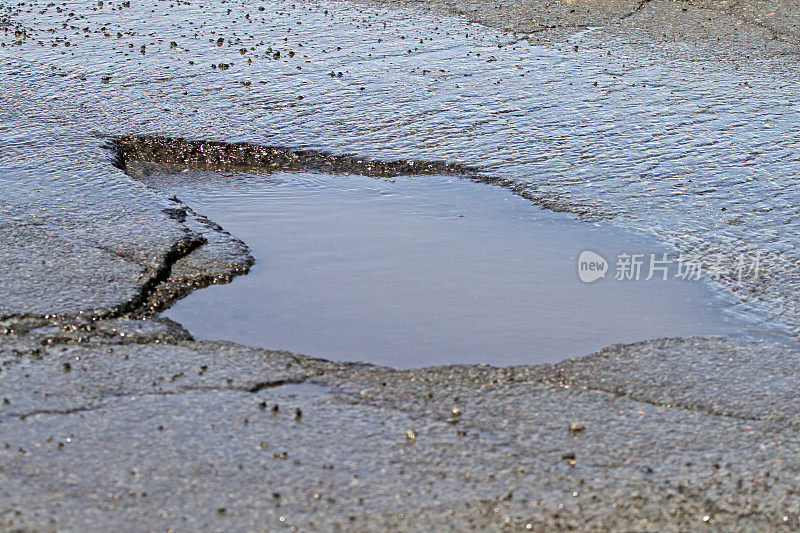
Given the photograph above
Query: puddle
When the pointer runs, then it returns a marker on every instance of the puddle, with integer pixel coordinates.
(420, 271)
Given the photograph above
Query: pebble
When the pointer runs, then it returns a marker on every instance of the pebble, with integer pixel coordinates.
(576, 427)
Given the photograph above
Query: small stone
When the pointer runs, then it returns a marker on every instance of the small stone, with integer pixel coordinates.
(411, 435)
(576, 427)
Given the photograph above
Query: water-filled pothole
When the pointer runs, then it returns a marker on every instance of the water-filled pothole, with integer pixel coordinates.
(419, 271)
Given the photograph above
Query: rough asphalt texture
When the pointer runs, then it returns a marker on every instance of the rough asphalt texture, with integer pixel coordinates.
(110, 420)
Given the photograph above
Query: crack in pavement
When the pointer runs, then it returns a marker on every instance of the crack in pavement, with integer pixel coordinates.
(103, 400)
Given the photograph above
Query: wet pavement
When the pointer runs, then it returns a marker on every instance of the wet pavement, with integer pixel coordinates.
(699, 151)
(657, 121)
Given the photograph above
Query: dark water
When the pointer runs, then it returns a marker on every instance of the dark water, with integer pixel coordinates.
(419, 271)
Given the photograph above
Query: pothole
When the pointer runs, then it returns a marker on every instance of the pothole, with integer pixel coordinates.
(413, 271)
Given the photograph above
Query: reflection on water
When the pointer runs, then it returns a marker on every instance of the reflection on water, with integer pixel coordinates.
(420, 271)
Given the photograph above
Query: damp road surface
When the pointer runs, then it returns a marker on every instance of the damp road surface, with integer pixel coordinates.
(702, 153)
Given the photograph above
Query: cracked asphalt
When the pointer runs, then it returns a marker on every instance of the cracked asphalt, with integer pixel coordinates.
(114, 418)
